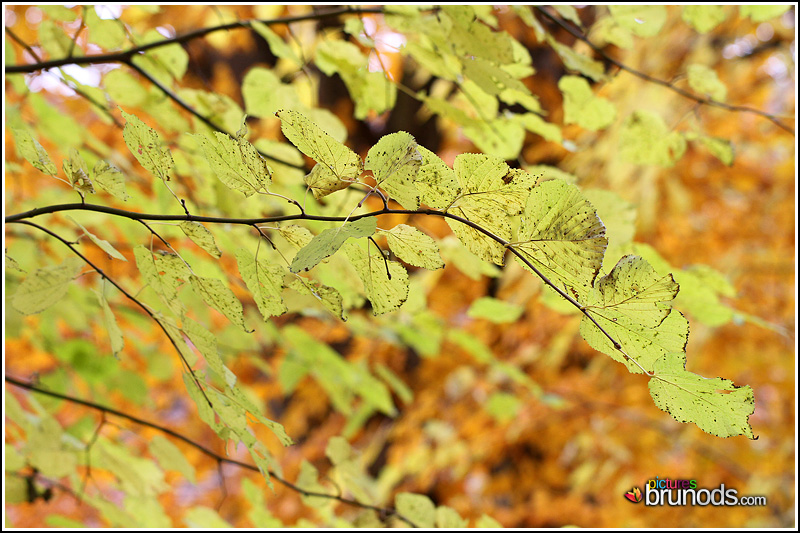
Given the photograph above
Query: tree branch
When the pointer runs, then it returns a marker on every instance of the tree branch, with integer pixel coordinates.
(383, 511)
(127, 55)
(699, 99)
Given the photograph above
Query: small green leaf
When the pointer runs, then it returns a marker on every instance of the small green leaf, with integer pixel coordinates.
(642, 20)
(416, 507)
(645, 139)
(205, 518)
(32, 151)
(715, 405)
(77, 172)
(337, 167)
(147, 147)
(704, 18)
(264, 93)
(722, 149)
(114, 333)
(206, 343)
(170, 457)
(265, 282)
(45, 286)
(759, 13)
(582, 107)
(578, 62)
(109, 34)
(55, 41)
(495, 310)
(486, 522)
(101, 243)
(329, 241)
(386, 290)
(219, 296)
(277, 45)
(110, 179)
(163, 274)
(608, 30)
(414, 247)
(201, 236)
(395, 161)
(536, 124)
(705, 81)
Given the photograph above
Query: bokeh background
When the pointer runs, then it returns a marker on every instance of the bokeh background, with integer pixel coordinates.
(561, 446)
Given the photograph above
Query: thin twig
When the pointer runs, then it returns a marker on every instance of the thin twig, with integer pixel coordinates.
(386, 511)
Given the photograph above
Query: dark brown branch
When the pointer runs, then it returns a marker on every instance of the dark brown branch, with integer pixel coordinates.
(384, 511)
(127, 55)
(669, 85)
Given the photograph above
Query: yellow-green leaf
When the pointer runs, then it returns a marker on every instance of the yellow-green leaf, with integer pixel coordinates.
(170, 457)
(759, 13)
(102, 243)
(645, 139)
(385, 290)
(705, 81)
(110, 179)
(704, 18)
(236, 163)
(78, 173)
(32, 151)
(265, 282)
(201, 236)
(642, 20)
(329, 241)
(45, 286)
(395, 161)
(495, 310)
(414, 247)
(436, 182)
(219, 296)
(147, 147)
(416, 507)
(582, 107)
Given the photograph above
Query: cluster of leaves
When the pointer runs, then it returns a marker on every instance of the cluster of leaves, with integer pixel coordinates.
(334, 264)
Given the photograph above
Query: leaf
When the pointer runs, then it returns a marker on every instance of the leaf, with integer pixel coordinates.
(265, 282)
(114, 333)
(32, 151)
(163, 274)
(491, 192)
(582, 107)
(608, 30)
(414, 247)
(45, 286)
(536, 124)
(236, 163)
(205, 518)
(56, 43)
(327, 296)
(562, 236)
(436, 182)
(495, 310)
(486, 522)
(759, 13)
(705, 81)
(264, 93)
(416, 507)
(147, 147)
(715, 405)
(337, 167)
(110, 179)
(642, 20)
(206, 343)
(277, 45)
(101, 243)
(578, 62)
(449, 518)
(722, 149)
(645, 139)
(633, 304)
(490, 77)
(386, 291)
(109, 34)
(219, 296)
(704, 18)
(77, 173)
(329, 241)
(170, 457)
(201, 236)
(395, 161)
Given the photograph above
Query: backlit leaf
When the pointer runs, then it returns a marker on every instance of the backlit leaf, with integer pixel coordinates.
(265, 282)
(705, 81)
(416, 507)
(236, 163)
(495, 310)
(395, 161)
(642, 20)
(45, 286)
(414, 247)
(436, 182)
(110, 179)
(645, 139)
(170, 457)
(114, 333)
(704, 18)
(337, 165)
(219, 296)
(386, 290)
(201, 236)
(163, 274)
(329, 241)
(147, 147)
(759, 13)
(77, 172)
(102, 243)
(32, 151)
(715, 405)
(582, 107)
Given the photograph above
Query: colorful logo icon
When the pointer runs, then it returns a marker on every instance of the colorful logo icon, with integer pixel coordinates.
(634, 495)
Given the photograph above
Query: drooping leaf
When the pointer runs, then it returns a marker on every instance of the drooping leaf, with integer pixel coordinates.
(491, 193)
(277, 45)
(582, 107)
(163, 274)
(395, 161)
(414, 247)
(78, 173)
(147, 147)
(642, 20)
(201, 236)
(32, 151)
(101, 243)
(170, 457)
(436, 182)
(386, 290)
(327, 296)
(337, 166)
(760, 13)
(561, 235)
(114, 333)
(55, 41)
(715, 405)
(45, 286)
(206, 343)
(265, 282)
(219, 296)
(722, 149)
(578, 62)
(264, 93)
(329, 241)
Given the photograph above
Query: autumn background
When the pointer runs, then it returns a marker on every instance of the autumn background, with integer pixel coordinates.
(519, 420)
